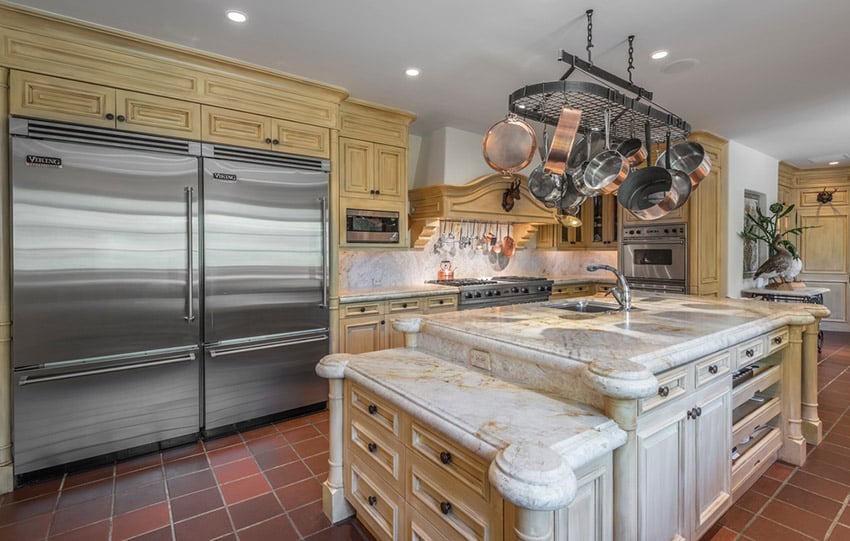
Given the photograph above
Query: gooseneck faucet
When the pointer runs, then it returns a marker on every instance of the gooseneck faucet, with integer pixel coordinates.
(623, 294)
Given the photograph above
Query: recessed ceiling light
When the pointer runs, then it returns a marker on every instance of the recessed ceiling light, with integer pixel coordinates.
(411, 72)
(658, 55)
(833, 163)
(236, 16)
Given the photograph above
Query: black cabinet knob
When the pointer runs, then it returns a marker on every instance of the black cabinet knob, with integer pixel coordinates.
(377, 192)
(275, 142)
(121, 118)
(445, 507)
(373, 409)
(383, 322)
(750, 352)
(362, 308)
(404, 305)
(372, 500)
(110, 116)
(441, 301)
(663, 391)
(777, 340)
(446, 457)
(712, 369)
(372, 447)
(268, 140)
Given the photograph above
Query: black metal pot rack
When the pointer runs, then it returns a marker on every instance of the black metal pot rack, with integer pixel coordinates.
(543, 101)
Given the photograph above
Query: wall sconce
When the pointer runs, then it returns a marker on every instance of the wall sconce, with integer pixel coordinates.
(825, 197)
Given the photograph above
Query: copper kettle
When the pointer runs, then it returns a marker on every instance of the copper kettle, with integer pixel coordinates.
(446, 271)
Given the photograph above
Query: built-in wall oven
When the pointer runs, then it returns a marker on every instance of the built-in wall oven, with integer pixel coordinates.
(655, 257)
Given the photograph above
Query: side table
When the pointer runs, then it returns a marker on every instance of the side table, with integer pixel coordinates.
(812, 295)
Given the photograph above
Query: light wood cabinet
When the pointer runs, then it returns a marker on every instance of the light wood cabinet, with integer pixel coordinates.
(365, 327)
(602, 224)
(53, 98)
(372, 170)
(706, 217)
(257, 131)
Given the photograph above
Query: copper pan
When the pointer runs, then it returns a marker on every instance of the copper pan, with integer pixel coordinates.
(509, 145)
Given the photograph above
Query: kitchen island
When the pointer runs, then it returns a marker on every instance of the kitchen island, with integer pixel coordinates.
(586, 425)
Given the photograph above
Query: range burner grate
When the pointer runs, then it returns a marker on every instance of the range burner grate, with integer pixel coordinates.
(461, 282)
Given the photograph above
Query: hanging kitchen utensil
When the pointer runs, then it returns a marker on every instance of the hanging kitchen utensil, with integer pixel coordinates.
(497, 242)
(689, 157)
(509, 145)
(508, 244)
(546, 181)
(681, 181)
(649, 193)
(571, 197)
(606, 171)
(633, 150)
(585, 148)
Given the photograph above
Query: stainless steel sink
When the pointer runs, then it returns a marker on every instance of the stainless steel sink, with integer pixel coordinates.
(587, 307)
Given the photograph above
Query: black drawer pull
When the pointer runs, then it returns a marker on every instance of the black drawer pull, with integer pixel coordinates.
(441, 301)
(377, 192)
(777, 340)
(373, 409)
(372, 500)
(446, 457)
(445, 507)
(404, 305)
(268, 140)
(372, 447)
(120, 118)
(110, 116)
(712, 369)
(362, 309)
(663, 391)
(750, 352)
(275, 142)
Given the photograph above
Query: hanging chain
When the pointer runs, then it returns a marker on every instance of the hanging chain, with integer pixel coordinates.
(589, 14)
(631, 58)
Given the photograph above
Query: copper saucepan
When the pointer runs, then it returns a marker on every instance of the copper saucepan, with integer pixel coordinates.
(509, 145)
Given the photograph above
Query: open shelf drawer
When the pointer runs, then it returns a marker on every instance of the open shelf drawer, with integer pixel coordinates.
(753, 413)
(755, 456)
(745, 391)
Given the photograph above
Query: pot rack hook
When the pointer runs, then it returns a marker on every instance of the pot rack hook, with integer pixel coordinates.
(589, 46)
(631, 59)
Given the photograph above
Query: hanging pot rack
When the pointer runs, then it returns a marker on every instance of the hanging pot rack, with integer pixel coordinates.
(543, 101)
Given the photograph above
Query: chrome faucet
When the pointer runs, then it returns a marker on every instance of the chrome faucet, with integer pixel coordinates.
(622, 294)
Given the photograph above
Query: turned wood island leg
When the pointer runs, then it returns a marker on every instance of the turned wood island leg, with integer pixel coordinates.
(334, 504)
(793, 450)
(812, 425)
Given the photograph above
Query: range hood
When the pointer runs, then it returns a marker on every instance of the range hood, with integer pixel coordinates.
(477, 201)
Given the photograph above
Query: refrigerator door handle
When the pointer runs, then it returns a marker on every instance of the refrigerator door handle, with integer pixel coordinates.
(29, 380)
(233, 351)
(190, 312)
(325, 252)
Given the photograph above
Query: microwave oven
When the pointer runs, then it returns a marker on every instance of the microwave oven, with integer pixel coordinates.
(378, 226)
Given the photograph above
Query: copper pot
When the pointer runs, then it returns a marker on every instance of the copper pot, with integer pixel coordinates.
(509, 145)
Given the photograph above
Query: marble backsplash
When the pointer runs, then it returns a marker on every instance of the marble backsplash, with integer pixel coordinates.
(391, 268)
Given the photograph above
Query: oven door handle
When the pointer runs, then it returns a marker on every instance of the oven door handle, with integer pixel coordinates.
(653, 242)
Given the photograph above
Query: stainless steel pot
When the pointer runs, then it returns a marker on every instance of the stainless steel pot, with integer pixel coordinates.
(605, 172)
(585, 148)
(571, 197)
(689, 157)
(633, 150)
(647, 193)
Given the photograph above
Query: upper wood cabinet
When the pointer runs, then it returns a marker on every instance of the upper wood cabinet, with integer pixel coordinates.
(257, 131)
(53, 98)
(372, 170)
(707, 222)
(601, 224)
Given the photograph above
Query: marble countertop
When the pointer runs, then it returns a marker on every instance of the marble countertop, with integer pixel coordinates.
(802, 292)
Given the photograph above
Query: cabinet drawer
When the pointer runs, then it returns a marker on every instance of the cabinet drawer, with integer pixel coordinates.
(405, 305)
(751, 351)
(777, 340)
(444, 303)
(302, 139)
(450, 507)
(380, 450)
(382, 415)
(158, 115)
(761, 382)
(575, 290)
(671, 384)
(361, 309)
(451, 458)
(717, 366)
(755, 457)
(52, 98)
(419, 529)
(743, 427)
(377, 505)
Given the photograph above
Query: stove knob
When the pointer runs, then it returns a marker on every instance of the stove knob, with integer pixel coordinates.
(489, 292)
(548, 288)
(514, 290)
(468, 295)
(541, 288)
(498, 293)
(524, 290)
(477, 294)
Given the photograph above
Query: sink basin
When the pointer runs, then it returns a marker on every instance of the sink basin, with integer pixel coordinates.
(588, 307)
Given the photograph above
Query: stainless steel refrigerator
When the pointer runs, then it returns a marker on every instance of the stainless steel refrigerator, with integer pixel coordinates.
(110, 264)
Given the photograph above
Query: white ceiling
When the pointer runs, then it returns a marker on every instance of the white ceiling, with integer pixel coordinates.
(773, 75)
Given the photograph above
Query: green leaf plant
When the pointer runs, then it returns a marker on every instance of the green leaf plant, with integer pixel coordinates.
(765, 227)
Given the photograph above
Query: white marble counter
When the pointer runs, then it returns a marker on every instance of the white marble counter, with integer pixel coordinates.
(597, 278)
(368, 294)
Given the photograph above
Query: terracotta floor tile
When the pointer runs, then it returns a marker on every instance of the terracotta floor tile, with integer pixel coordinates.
(311, 447)
(81, 478)
(277, 528)
(138, 463)
(162, 534)
(250, 512)
(276, 457)
(779, 471)
(98, 531)
(28, 492)
(193, 482)
(838, 439)
(318, 464)
(245, 489)
(236, 470)
(138, 498)
(195, 504)
(797, 519)
(827, 471)
(819, 485)
(138, 478)
(224, 441)
(323, 427)
(309, 519)
(82, 493)
(763, 529)
(140, 521)
(227, 455)
(323, 415)
(289, 424)
(183, 451)
(809, 501)
(260, 432)
(299, 494)
(186, 465)
(83, 514)
(736, 518)
(766, 485)
(286, 475)
(30, 529)
(840, 533)
(18, 511)
(752, 501)
(301, 433)
(267, 443)
(845, 517)
(204, 527)
(835, 459)
(716, 534)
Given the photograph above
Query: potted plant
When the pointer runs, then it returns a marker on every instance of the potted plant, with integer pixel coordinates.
(783, 263)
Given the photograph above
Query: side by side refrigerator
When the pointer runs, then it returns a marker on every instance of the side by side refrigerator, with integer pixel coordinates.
(114, 346)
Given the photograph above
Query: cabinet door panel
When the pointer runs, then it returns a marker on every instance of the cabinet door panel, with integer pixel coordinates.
(391, 171)
(157, 115)
(303, 139)
(52, 98)
(824, 249)
(361, 335)
(357, 167)
(235, 128)
(661, 478)
(712, 442)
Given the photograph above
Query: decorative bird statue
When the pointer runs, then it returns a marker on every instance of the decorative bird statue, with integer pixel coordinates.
(779, 264)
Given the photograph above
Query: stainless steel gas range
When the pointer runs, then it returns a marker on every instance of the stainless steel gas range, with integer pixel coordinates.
(499, 290)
